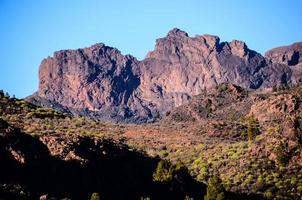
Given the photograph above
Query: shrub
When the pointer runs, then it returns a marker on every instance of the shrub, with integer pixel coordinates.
(278, 88)
(95, 196)
(293, 180)
(215, 190)
(299, 189)
(164, 172)
(164, 153)
(282, 154)
(188, 198)
(268, 194)
(1, 93)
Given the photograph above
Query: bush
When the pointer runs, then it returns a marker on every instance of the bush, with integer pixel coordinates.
(215, 189)
(164, 172)
(145, 198)
(282, 154)
(95, 196)
(278, 88)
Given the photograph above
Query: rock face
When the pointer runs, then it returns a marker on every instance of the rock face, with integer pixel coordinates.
(291, 56)
(275, 107)
(95, 78)
(101, 82)
(288, 55)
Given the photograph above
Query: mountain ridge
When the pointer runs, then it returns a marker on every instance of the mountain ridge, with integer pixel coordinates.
(100, 82)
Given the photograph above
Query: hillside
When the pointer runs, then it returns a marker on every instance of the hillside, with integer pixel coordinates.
(101, 83)
(48, 155)
(250, 140)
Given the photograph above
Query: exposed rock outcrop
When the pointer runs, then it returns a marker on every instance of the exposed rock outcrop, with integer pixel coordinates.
(290, 56)
(95, 78)
(275, 107)
(101, 82)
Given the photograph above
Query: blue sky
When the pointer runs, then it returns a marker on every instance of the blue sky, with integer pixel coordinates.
(32, 30)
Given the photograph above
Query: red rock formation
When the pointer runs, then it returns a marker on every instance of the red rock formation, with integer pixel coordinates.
(102, 81)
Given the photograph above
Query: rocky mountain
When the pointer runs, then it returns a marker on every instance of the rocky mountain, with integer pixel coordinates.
(100, 82)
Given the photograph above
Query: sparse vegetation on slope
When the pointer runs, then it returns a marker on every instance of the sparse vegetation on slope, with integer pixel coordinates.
(52, 155)
(248, 142)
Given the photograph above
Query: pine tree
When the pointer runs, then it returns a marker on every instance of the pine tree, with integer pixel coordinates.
(215, 190)
(252, 128)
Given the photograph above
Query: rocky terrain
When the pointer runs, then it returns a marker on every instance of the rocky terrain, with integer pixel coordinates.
(43, 164)
(243, 144)
(101, 83)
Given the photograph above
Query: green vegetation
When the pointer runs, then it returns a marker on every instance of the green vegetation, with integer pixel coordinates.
(215, 190)
(165, 172)
(236, 154)
(252, 128)
(95, 196)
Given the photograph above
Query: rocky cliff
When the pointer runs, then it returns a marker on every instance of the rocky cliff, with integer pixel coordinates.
(100, 82)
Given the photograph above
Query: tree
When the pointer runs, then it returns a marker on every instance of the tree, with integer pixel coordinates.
(215, 189)
(252, 128)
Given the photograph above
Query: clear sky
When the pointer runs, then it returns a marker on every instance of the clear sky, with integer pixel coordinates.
(32, 30)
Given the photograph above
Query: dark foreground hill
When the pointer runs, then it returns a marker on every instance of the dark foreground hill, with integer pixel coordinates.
(77, 166)
(101, 83)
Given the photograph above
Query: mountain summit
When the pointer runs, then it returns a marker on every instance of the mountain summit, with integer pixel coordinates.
(100, 82)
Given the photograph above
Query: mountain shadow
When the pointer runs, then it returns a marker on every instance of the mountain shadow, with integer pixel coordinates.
(76, 166)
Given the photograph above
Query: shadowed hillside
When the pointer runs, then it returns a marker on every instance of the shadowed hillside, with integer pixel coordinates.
(75, 167)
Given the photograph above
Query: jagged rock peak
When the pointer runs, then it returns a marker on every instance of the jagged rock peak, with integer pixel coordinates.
(97, 45)
(211, 40)
(175, 32)
(238, 48)
(93, 50)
